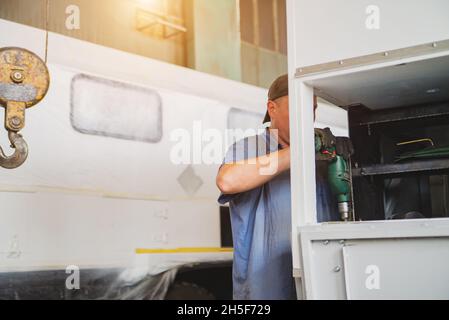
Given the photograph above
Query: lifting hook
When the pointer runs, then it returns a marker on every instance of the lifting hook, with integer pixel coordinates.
(24, 82)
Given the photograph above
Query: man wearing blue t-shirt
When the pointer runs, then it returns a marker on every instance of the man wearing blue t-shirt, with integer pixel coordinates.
(260, 204)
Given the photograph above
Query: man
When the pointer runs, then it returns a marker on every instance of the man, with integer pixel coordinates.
(260, 204)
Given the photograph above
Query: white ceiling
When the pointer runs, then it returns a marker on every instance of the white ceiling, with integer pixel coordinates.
(402, 85)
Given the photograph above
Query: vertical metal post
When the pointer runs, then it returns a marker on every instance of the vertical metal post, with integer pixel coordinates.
(302, 144)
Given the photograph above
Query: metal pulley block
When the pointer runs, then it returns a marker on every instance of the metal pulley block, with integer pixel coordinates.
(24, 82)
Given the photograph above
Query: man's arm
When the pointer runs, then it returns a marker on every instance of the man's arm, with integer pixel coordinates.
(248, 174)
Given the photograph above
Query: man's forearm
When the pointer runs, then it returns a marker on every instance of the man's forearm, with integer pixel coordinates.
(251, 173)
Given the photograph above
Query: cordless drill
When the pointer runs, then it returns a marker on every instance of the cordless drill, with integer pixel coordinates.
(338, 170)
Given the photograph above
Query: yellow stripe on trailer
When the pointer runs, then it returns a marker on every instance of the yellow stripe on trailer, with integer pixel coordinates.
(184, 250)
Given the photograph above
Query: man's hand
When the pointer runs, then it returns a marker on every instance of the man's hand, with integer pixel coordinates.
(344, 147)
(327, 138)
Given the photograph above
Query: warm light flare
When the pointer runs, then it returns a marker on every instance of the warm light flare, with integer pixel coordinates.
(151, 3)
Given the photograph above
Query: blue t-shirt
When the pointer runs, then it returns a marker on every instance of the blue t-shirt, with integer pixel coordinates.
(261, 227)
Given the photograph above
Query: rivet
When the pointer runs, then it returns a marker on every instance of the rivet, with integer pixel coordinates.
(15, 122)
(17, 76)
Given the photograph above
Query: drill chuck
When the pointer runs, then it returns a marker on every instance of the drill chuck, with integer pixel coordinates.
(343, 209)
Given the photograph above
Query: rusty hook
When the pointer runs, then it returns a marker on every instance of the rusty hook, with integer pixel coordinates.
(20, 154)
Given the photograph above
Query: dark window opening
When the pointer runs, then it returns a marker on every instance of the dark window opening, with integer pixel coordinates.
(225, 227)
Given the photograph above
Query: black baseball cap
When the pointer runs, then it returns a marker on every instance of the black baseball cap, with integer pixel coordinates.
(278, 89)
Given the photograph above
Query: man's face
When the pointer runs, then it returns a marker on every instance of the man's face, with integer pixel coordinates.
(279, 114)
(278, 110)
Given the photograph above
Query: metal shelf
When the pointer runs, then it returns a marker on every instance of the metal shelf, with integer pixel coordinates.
(402, 168)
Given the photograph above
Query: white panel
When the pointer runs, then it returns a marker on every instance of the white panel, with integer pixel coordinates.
(329, 30)
(53, 230)
(397, 269)
(411, 255)
(115, 109)
(326, 266)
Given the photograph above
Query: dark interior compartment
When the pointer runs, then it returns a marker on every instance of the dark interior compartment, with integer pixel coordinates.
(401, 167)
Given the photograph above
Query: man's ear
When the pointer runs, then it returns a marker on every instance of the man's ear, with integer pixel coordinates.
(271, 107)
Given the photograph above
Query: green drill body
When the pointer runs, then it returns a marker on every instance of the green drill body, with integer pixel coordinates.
(338, 177)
